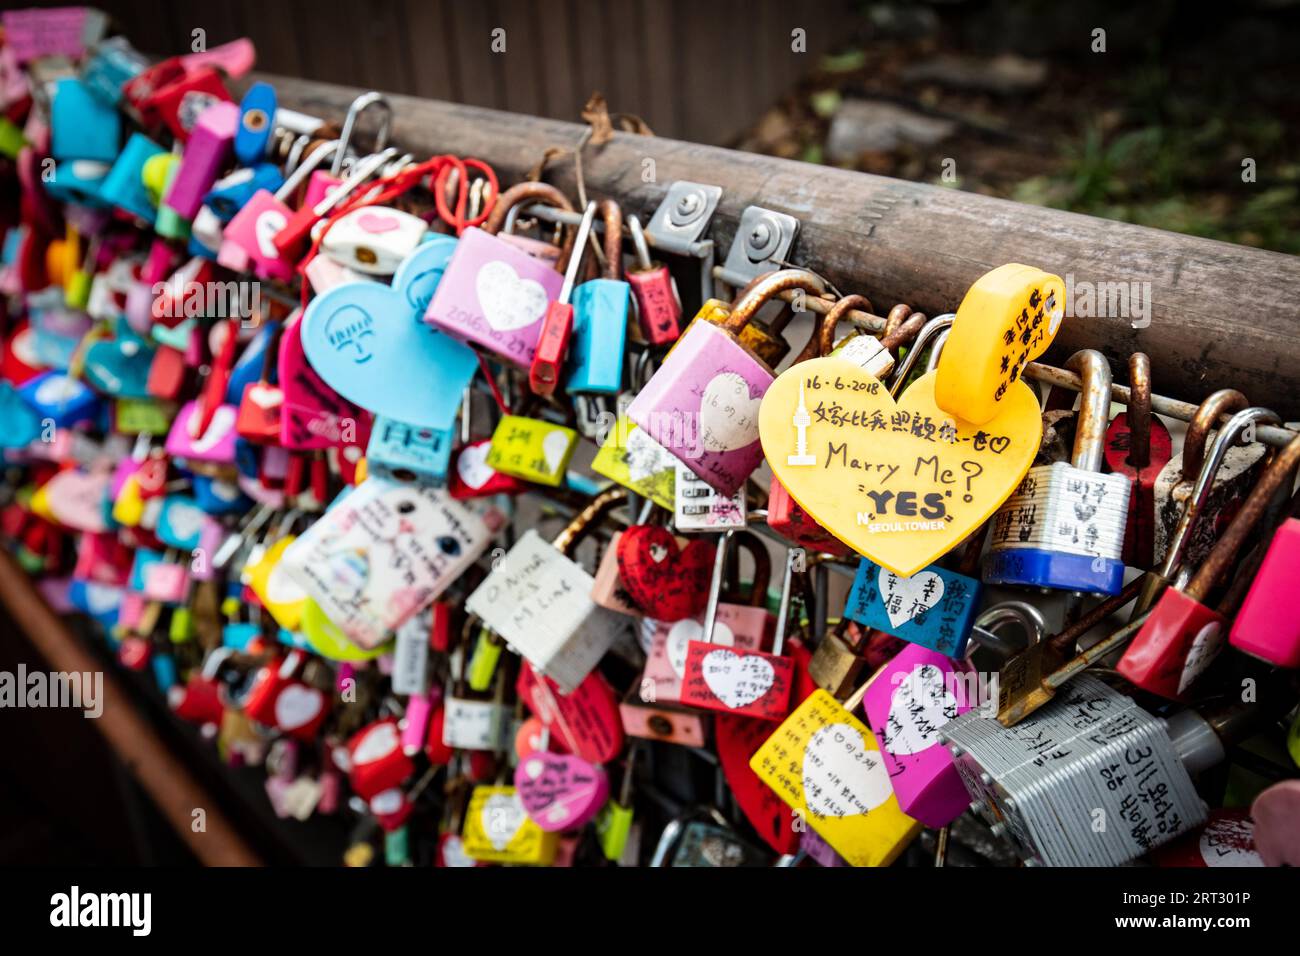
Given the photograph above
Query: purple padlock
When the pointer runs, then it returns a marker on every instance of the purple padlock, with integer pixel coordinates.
(909, 700)
(494, 295)
(702, 403)
(206, 153)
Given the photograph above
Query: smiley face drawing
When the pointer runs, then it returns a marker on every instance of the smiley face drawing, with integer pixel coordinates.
(351, 330)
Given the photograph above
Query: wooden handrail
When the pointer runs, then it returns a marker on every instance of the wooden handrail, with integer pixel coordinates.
(133, 738)
(1222, 315)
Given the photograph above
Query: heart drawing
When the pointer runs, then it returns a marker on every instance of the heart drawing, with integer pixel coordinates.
(906, 599)
(509, 302)
(842, 777)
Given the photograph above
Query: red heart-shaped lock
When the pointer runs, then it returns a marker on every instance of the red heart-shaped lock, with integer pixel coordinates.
(668, 582)
(738, 737)
(585, 723)
(378, 761)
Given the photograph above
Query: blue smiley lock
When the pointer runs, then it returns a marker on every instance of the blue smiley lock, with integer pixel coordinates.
(367, 342)
(934, 608)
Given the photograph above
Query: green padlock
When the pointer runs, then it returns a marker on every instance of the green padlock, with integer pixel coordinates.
(614, 822)
(181, 627)
(12, 139)
(483, 661)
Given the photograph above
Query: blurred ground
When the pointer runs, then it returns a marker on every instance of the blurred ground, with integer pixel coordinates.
(1014, 100)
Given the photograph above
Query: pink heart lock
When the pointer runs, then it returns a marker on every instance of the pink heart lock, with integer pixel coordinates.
(560, 791)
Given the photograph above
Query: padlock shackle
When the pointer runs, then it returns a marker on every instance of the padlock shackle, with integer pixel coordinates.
(611, 215)
(1226, 401)
(1225, 439)
(639, 244)
(763, 288)
(586, 519)
(792, 557)
(1094, 408)
(1139, 410)
(359, 106)
(902, 325)
(543, 193)
(575, 261)
(307, 166)
(927, 334)
(1281, 469)
(822, 340)
(1024, 614)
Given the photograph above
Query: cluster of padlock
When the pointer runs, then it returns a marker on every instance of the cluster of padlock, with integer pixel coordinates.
(285, 415)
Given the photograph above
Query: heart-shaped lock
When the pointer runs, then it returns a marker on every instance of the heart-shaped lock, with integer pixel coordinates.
(667, 581)
(366, 342)
(216, 444)
(585, 722)
(378, 762)
(560, 791)
(900, 482)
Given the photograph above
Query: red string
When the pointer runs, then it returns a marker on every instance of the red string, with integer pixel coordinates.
(492, 384)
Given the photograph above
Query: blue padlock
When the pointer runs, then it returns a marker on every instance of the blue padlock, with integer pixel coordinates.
(229, 194)
(63, 400)
(600, 318)
(111, 66)
(249, 366)
(163, 666)
(247, 460)
(145, 558)
(180, 522)
(205, 235)
(100, 601)
(123, 187)
(119, 366)
(218, 497)
(1064, 526)
(239, 634)
(20, 425)
(79, 181)
(256, 124)
(82, 126)
(934, 608)
(409, 453)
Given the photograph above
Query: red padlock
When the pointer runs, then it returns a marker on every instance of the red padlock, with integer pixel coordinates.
(377, 759)
(557, 324)
(585, 723)
(1138, 445)
(659, 308)
(279, 699)
(1182, 636)
(665, 576)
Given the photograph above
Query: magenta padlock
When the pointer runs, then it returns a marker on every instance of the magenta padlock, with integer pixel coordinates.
(206, 153)
(161, 262)
(1267, 626)
(493, 295)
(248, 242)
(216, 444)
(909, 700)
(702, 402)
(322, 184)
(313, 415)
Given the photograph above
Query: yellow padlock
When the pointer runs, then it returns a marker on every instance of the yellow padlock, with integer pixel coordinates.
(278, 592)
(826, 766)
(128, 508)
(1007, 318)
(636, 461)
(499, 830)
(532, 449)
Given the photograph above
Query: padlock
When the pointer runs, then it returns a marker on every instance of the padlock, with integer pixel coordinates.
(256, 124)
(249, 238)
(1064, 526)
(499, 830)
(583, 722)
(665, 577)
(557, 325)
(110, 66)
(383, 553)
(913, 696)
(531, 449)
(377, 761)
(701, 403)
(82, 126)
(279, 698)
(472, 720)
(179, 104)
(261, 403)
(231, 193)
(838, 659)
(698, 507)
(754, 683)
(1090, 755)
(1182, 635)
(1226, 839)
(1233, 478)
(560, 791)
(600, 317)
(1138, 446)
(409, 453)
(616, 829)
(704, 838)
(1267, 627)
(538, 599)
(373, 239)
(493, 295)
(207, 152)
(608, 590)
(312, 414)
(473, 477)
(124, 186)
(659, 307)
(934, 608)
(322, 185)
(826, 766)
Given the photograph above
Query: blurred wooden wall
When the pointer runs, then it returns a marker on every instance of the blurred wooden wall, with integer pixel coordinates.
(699, 70)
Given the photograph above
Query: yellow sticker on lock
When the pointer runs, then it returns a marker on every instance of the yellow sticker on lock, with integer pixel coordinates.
(499, 830)
(632, 458)
(1007, 319)
(532, 449)
(901, 482)
(825, 764)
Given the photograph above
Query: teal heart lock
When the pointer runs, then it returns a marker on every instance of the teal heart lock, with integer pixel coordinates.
(181, 522)
(19, 423)
(120, 366)
(366, 340)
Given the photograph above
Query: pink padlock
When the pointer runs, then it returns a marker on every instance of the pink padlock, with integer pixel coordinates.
(248, 243)
(702, 402)
(166, 582)
(560, 791)
(740, 626)
(206, 153)
(313, 415)
(493, 295)
(1267, 626)
(908, 701)
(216, 444)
